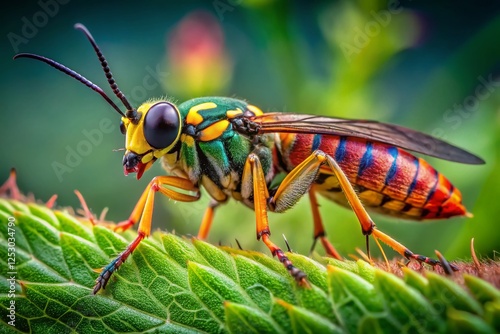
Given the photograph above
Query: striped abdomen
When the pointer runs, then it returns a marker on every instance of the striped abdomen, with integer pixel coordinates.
(385, 177)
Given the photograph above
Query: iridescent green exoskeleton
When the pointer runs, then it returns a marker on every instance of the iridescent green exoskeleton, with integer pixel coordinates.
(234, 150)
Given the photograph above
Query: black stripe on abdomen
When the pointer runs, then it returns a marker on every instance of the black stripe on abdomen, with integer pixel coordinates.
(340, 152)
(393, 151)
(366, 160)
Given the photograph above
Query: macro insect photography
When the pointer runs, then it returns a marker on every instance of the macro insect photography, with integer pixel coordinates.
(250, 166)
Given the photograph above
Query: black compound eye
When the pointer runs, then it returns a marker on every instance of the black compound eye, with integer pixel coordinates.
(123, 129)
(162, 125)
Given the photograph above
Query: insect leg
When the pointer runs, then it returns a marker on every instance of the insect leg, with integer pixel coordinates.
(297, 182)
(208, 217)
(172, 181)
(401, 249)
(319, 230)
(367, 225)
(253, 180)
(144, 211)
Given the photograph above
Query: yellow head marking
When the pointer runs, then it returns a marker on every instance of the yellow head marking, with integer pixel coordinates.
(136, 141)
(147, 158)
(193, 117)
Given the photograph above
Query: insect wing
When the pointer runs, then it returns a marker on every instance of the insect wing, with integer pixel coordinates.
(371, 130)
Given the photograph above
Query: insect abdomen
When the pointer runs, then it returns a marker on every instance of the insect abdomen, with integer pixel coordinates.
(386, 178)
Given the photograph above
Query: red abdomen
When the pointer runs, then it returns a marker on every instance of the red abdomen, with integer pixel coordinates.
(386, 178)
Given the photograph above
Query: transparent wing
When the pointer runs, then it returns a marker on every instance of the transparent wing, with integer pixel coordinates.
(372, 130)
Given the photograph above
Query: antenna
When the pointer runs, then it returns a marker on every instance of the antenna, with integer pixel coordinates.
(72, 74)
(131, 113)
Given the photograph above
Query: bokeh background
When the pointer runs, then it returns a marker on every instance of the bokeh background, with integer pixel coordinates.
(429, 66)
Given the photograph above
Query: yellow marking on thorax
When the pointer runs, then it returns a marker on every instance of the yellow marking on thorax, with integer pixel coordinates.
(214, 131)
(188, 140)
(255, 110)
(193, 117)
(234, 113)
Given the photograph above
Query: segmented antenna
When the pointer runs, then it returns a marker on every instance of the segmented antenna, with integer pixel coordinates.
(72, 74)
(131, 113)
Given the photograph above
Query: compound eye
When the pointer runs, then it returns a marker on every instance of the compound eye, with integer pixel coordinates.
(123, 129)
(162, 125)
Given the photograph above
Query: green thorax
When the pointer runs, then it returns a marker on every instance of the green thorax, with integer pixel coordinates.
(210, 114)
(212, 153)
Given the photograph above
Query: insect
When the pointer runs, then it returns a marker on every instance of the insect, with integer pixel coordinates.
(233, 149)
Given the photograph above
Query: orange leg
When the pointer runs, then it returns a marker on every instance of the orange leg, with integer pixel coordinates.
(367, 225)
(319, 230)
(298, 182)
(253, 180)
(157, 183)
(401, 249)
(144, 211)
(206, 222)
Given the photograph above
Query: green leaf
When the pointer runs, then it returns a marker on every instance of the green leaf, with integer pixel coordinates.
(217, 258)
(492, 315)
(346, 265)
(304, 321)
(444, 294)
(177, 285)
(366, 270)
(244, 319)
(409, 309)
(213, 288)
(316, 273)
(262, 283)
(415, 280)
(354, 298)
(482, 290)
(464, 322)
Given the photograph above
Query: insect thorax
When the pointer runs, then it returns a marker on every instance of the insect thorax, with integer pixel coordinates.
(212, 153)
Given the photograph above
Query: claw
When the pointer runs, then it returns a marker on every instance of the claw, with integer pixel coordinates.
(286, 242)
(424, 259)
(444, 263)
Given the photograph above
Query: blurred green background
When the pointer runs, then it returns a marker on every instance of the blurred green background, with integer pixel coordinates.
(416, 63)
